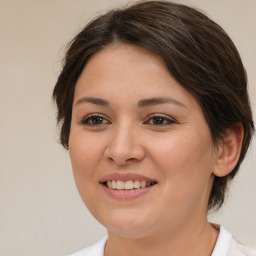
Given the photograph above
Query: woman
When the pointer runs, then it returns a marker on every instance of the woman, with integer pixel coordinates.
(154, 110)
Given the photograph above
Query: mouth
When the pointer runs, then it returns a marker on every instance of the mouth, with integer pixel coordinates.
(129, 184)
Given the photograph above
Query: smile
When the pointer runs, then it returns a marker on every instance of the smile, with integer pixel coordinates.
(128, 185)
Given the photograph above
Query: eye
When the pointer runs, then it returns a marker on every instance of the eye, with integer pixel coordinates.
(160, 121)
(94, 120)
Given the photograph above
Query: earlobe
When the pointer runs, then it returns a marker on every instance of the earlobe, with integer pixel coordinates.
(229, 151)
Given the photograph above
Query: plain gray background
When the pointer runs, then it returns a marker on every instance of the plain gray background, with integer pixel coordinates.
(41, 212)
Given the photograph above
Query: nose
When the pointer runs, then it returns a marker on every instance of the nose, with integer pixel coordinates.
(125, 146)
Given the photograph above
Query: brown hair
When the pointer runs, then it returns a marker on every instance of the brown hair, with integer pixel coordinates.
(197, 53)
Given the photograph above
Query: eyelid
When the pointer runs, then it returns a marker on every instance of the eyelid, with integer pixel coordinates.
(170, 120)
(84, 120)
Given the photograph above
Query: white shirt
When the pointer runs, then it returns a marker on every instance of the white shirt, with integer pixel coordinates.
(226, 245)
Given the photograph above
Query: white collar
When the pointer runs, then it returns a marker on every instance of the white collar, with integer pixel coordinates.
(223, 243)
(221, 247)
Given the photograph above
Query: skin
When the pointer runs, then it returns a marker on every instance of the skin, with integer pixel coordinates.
(177, 152)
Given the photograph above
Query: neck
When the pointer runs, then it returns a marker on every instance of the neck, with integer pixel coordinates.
(186, 239)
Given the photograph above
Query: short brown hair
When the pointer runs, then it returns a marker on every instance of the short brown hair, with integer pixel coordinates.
(197, 53)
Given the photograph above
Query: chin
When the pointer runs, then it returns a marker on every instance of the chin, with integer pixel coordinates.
(128, 223)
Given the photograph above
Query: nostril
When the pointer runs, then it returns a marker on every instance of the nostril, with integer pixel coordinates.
(121, 161)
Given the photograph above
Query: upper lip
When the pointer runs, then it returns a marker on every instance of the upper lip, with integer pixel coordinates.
(126, 177)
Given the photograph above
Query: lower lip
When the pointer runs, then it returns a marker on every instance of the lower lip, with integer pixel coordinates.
(126, 194)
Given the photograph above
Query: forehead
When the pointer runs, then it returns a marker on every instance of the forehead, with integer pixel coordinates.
(125, 71)
(123, 58)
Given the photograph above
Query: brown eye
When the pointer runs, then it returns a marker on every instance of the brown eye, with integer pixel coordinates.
(94, 120)
(160, 121)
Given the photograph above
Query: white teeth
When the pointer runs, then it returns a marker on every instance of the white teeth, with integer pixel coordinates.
(113, 184)
(119, 184)
(136, 184)
(128, 185)
(143, 184)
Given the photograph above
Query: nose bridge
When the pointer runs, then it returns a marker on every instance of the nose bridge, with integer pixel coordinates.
(125, 145)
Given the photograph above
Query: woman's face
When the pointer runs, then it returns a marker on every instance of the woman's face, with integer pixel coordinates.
(133, 126)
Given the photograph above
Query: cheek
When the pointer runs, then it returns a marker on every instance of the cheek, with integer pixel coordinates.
(184, 161)
(185, 165)
(84, 159)
(84, 154)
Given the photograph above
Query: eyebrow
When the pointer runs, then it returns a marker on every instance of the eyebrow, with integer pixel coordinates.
(159, 100)
(141, 103)
(96, 101)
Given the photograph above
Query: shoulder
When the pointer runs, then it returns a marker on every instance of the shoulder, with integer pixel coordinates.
(93, 250)
(238, 249)
(226, 245)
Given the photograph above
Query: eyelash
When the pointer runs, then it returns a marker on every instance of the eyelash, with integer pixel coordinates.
(164, 121)
(90, 118)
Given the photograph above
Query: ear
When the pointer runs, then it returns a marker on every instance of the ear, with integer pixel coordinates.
(229, 151)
